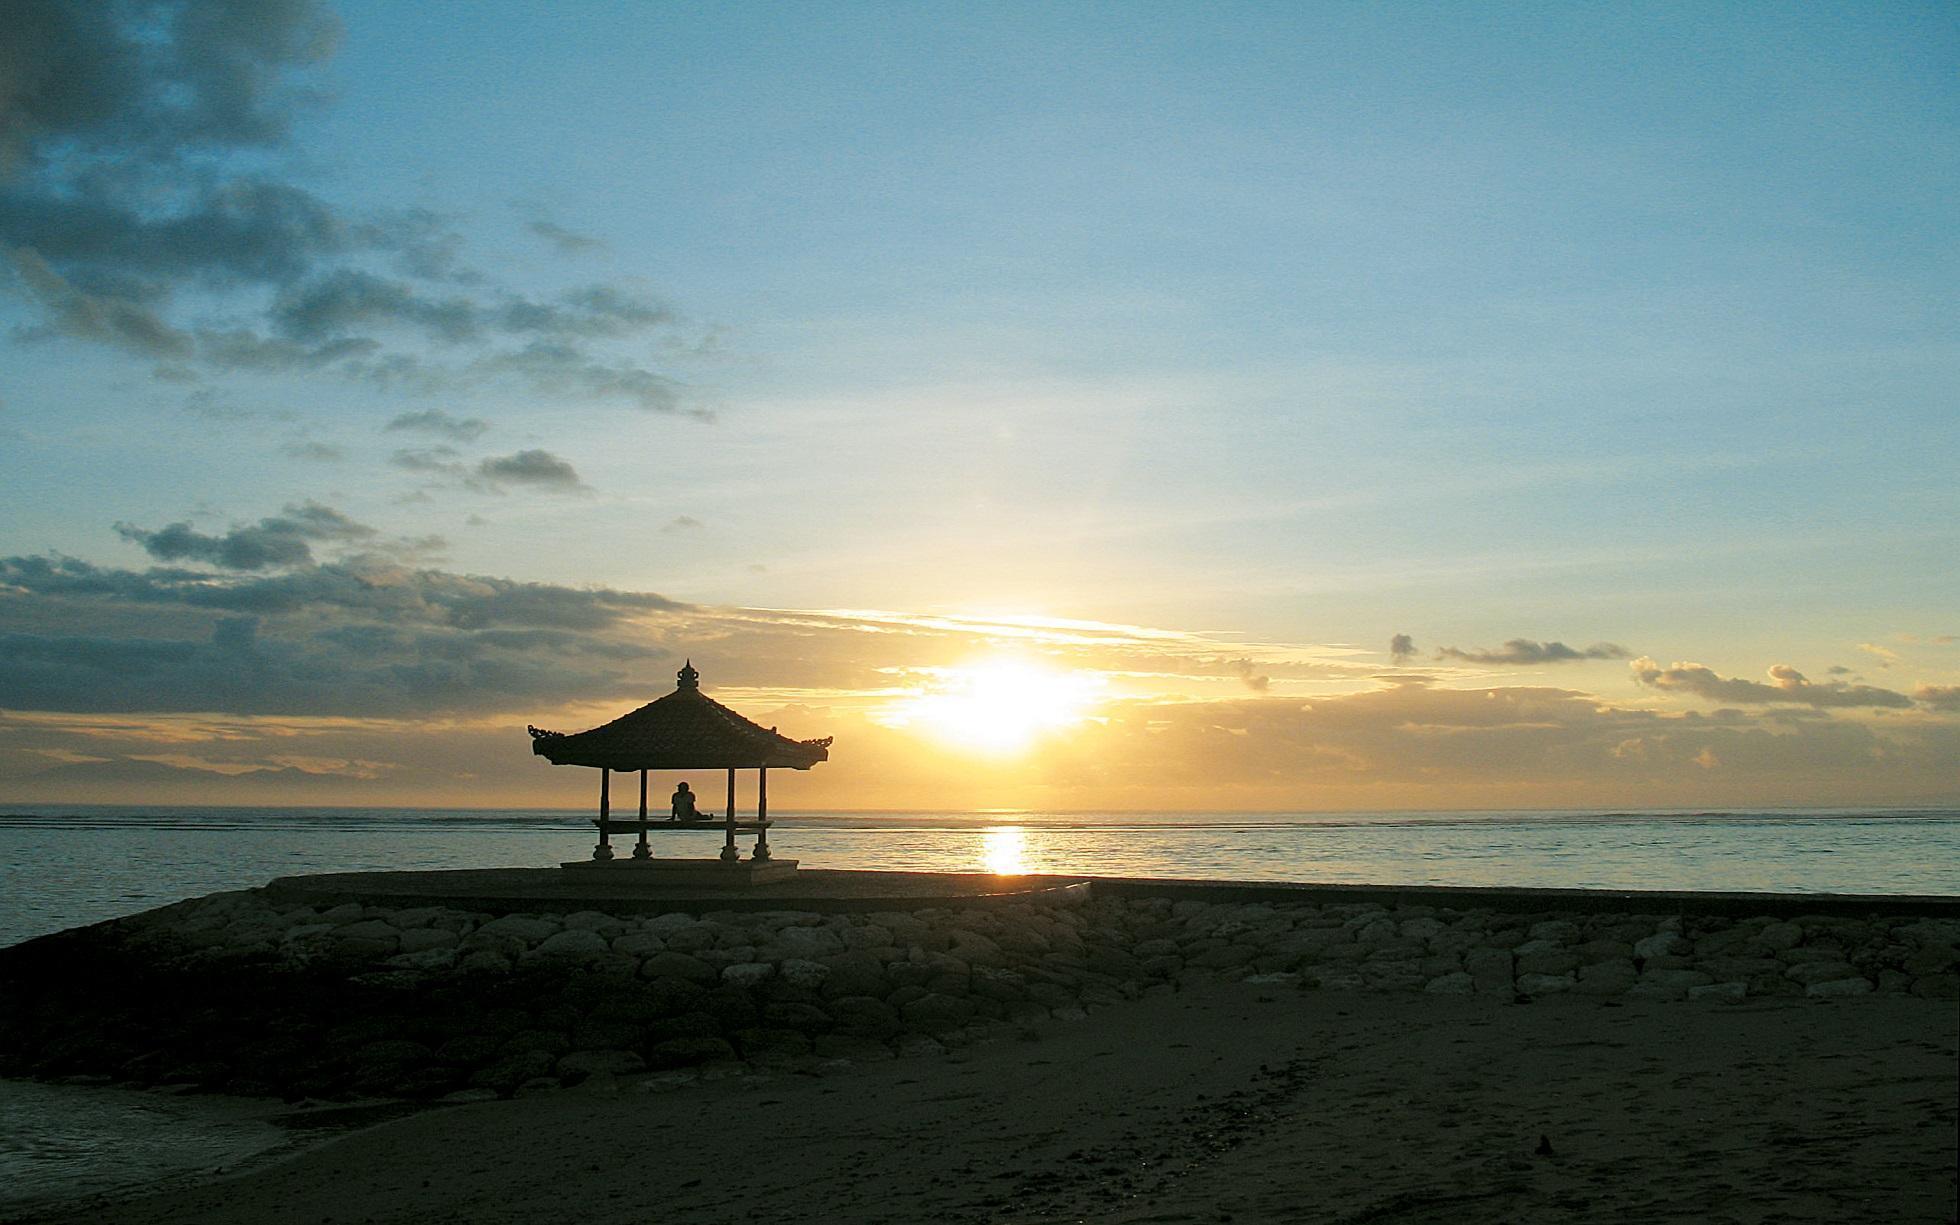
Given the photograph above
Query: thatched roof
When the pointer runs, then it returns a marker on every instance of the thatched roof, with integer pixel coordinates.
(686, 730)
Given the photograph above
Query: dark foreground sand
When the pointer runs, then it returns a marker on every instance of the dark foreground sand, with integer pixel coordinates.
(1227, 1102)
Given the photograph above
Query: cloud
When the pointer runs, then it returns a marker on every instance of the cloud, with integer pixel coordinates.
(277, 541)
(442, 425)
(1401, 648)
(1254, 680)
(683, 523)
(532, 469)
(1939, 697)
(1787, 685)
(319, 452)
(1886, 656)
(564, 241)
(141, 192)
(1525, 651)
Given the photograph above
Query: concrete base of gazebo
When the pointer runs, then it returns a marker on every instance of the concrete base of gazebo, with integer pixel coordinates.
(691, 873)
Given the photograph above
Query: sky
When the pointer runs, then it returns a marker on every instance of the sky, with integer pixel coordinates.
(1141, 406)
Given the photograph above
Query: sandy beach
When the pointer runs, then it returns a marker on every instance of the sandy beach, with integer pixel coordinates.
(1223, 1102)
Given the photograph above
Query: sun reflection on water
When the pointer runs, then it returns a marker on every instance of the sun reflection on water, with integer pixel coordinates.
(1003, 850)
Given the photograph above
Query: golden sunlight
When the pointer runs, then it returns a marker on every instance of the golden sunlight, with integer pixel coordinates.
(1004, 851)
(999, 706)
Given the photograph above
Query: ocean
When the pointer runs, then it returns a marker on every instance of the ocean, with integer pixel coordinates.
(66, 865)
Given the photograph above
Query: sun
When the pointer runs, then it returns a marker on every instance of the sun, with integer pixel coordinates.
(998, 706)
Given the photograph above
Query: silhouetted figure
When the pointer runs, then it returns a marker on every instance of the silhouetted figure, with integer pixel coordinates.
(684, 809)
(1544, 1148)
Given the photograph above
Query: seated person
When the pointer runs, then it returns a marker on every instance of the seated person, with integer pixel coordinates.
(683, 808)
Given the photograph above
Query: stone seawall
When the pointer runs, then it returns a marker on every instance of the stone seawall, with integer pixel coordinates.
(252, 994)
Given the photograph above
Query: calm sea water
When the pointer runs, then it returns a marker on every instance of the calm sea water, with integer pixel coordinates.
(61, 866)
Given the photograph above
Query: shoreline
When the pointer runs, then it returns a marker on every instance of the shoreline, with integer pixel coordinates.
(636, 1004)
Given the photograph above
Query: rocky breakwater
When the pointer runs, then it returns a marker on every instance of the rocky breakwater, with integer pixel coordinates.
(248, 994)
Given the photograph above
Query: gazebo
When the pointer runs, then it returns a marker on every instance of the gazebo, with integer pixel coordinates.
(686, 730)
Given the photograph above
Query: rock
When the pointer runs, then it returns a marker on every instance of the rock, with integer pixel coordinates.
(1490, 969)
(1547, 961)
(1809, 972)
(1780, 936)
(1607, 978)
(485, 961)
(866, 936)
(912, 1046)
(686, 1052)
(421, 939)
(465, 1096)
(589, 920)
(678, 965)
(858, 972)
(427, 960)
(1839, 986)
(803, 974)
(539, 1086)
(529, 928)
(691, 939)
(1660, 944)
(1726, 993)
(638, 944)
(865, 1016)
(1422, 928)
(1556, 931)
(1675, 979)
(573, 944)
(748, 973)
(936, 1013)
(580, 1064)
(1457, 983)
(808, 943)
(1545, 984)
(1937, 987)
(790, 1014)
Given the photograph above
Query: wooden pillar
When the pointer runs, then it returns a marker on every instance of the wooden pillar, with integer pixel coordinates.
(642, 850)
(728, 852)
(604, 849)
(761, 812)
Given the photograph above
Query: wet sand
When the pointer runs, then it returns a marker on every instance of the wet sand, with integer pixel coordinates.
(1225, 1102)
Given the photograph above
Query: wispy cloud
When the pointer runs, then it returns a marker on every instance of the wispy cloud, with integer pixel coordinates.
(441, 424)
(1523, 651)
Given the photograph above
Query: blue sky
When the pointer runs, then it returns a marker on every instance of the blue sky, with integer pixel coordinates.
(1296, 326)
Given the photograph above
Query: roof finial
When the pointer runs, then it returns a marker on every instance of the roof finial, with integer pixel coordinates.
(689, 678)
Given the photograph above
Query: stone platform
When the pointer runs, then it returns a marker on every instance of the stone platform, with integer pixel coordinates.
(703, 873)
(640, 891)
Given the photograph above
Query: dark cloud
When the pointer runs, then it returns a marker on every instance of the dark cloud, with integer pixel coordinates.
(139, 184)
(532, 469)
(1939, 697)
(346, 301)
(563, 240)
(277, 541)
(362, 636)
(385, 592)
(1525, 651)
(1787, 685)
(683, 523)
(441, 424)
(319, 452)
(1401, 648)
